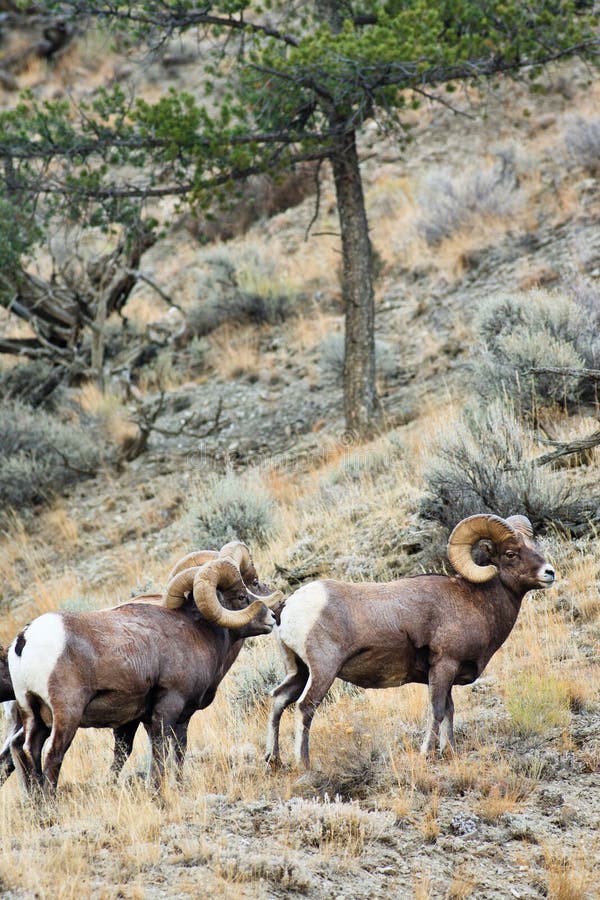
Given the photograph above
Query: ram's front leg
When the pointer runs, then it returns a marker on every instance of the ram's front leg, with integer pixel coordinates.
(124, 737)
(441, 678)
(163, 732)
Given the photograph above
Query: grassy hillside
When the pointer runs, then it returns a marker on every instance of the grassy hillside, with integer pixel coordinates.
(478, 219)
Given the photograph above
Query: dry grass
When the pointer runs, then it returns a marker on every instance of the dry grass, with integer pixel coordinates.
(463, 884)
(364, 743)
(108, 408)
(537, 703)
(568, 876)
(234, 352)
(308, 331)
(233, 829)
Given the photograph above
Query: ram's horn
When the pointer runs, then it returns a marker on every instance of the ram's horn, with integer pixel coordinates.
(221, 573)
(239, 553)
(196, 558)
(522, 525)
(270, 600)
(178, 586)
(464, 537)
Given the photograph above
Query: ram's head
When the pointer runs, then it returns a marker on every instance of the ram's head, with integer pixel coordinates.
(225, 588)
(510, 551)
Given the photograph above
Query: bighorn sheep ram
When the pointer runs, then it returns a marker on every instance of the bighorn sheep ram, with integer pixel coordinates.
(430, 629)
(153, 661)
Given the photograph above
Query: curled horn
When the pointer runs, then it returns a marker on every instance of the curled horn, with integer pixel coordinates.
(465, 536)
(191, 560)
(178, 586)
(240, 554)
(221, 573)
(522, 525)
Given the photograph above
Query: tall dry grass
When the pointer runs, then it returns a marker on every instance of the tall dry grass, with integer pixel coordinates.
(370, 785)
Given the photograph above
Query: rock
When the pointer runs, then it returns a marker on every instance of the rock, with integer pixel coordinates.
(464, 824)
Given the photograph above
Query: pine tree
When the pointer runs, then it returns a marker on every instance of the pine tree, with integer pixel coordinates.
(295, 82)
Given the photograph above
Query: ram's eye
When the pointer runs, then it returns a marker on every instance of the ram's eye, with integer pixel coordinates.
(511, 554)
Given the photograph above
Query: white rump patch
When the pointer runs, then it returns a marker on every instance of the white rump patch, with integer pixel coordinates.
(45, 641)
(301, 612)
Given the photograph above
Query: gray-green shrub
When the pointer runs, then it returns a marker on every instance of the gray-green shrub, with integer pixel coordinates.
(582, 139)
(539, 328)
(228, 293)
(484, 464)
(40, 455)
(253, 682)
(233, 507)
(450, 202)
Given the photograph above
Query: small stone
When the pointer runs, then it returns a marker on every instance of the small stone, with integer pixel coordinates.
(464, 824)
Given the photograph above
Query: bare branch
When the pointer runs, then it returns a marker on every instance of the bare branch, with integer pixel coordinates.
(315, 214)
(566, 371)
(151, 283)
(564, 449)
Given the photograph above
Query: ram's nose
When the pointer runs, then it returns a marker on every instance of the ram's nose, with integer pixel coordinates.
(547, 576)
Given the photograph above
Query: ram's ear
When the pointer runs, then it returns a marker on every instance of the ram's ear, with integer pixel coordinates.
(488, 546)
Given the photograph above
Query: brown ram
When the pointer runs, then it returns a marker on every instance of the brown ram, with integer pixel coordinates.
(430, 629)
(140, 662)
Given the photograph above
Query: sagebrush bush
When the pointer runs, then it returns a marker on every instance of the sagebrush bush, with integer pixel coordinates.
(254, 679)
(234, 293)
(30, 382)
(582, 139)
(450, 202)
(40, 455)
(484, 464)
(539, 328)
(234, 507)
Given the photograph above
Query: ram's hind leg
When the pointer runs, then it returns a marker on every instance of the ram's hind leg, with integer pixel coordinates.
(180, 737)
(14, 727)
(447, 742)
(287, 693)
(64, 728)
(26, 748)
(319, 682)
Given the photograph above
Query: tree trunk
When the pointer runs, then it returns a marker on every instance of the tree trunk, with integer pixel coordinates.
(361, 404)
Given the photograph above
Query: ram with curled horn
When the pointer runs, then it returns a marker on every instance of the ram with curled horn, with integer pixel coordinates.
(437, 630)
(152, 661)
